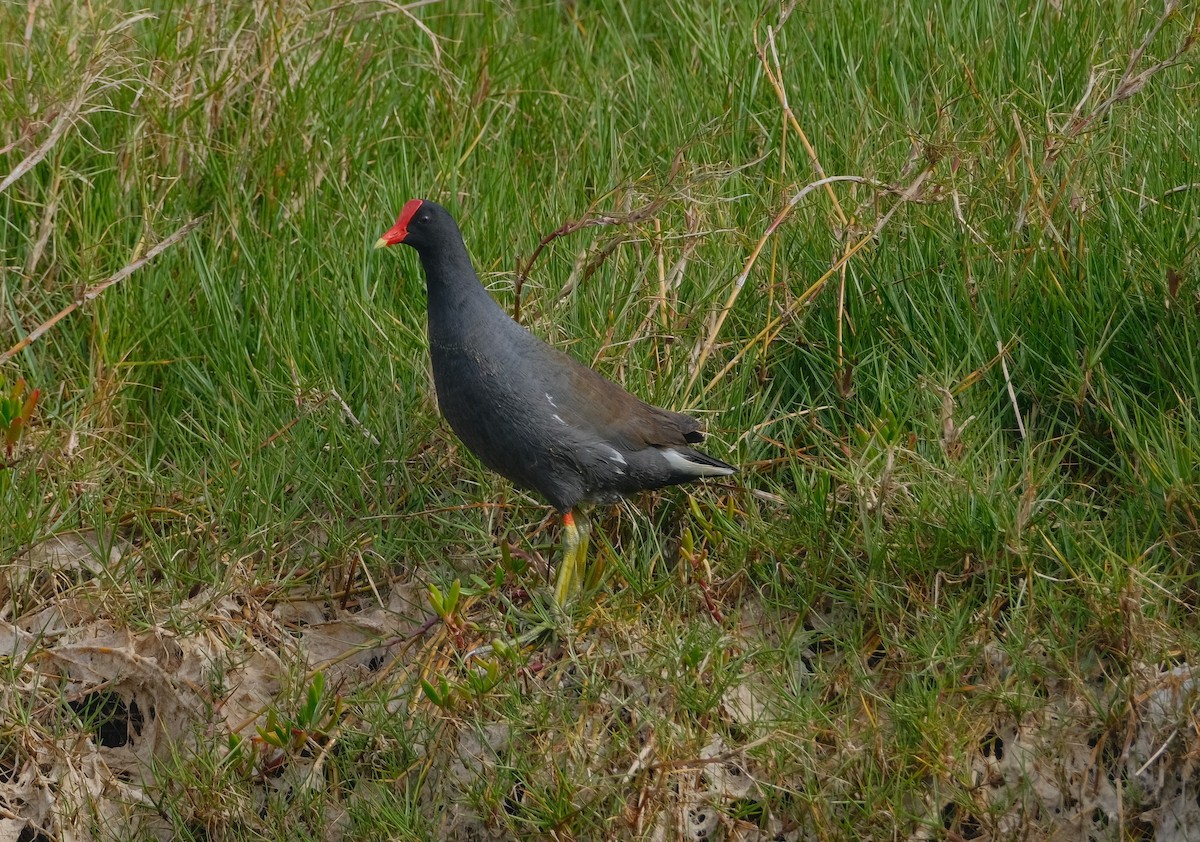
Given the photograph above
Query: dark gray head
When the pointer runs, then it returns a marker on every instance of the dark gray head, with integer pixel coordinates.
(424, 225)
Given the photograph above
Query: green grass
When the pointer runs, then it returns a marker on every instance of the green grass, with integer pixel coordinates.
(931, 542)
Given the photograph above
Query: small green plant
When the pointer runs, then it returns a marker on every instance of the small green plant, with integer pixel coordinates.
(697, 559)
(16, 411)
(476, 683)
(441, 694)
(445, 605)
(514, 565)
(283, 737)
(481, 681)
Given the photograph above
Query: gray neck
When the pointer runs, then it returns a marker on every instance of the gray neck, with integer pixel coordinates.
(459, 306)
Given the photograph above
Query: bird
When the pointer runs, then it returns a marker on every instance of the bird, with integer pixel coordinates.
(530, 412)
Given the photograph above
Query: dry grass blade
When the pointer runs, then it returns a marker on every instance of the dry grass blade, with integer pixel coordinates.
(588, 220)
(94, 80)
(774, 73)
(1130, 82)
(740, 281)
(95, 291)
(1012, 394)
(773, 326)
(66, 119)
(775, 77)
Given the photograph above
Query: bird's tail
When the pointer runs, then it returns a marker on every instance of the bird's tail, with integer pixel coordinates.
(693, 463)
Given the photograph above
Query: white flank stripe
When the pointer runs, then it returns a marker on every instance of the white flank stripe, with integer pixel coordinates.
(616, 456)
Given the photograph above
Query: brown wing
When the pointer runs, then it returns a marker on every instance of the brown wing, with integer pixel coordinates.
(613, 414)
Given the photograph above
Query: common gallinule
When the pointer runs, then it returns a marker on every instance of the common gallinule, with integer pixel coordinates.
(530, 412)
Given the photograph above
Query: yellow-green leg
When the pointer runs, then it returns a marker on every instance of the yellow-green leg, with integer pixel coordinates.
(575, 547)
(585, 535)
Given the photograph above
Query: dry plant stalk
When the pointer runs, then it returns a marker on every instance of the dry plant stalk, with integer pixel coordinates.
(774, 325)
(773, 69)
(1130, 82)
(588, 220)
(740, 281)
(95, 291)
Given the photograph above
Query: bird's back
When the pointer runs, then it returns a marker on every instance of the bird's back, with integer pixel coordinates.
(553, 425)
